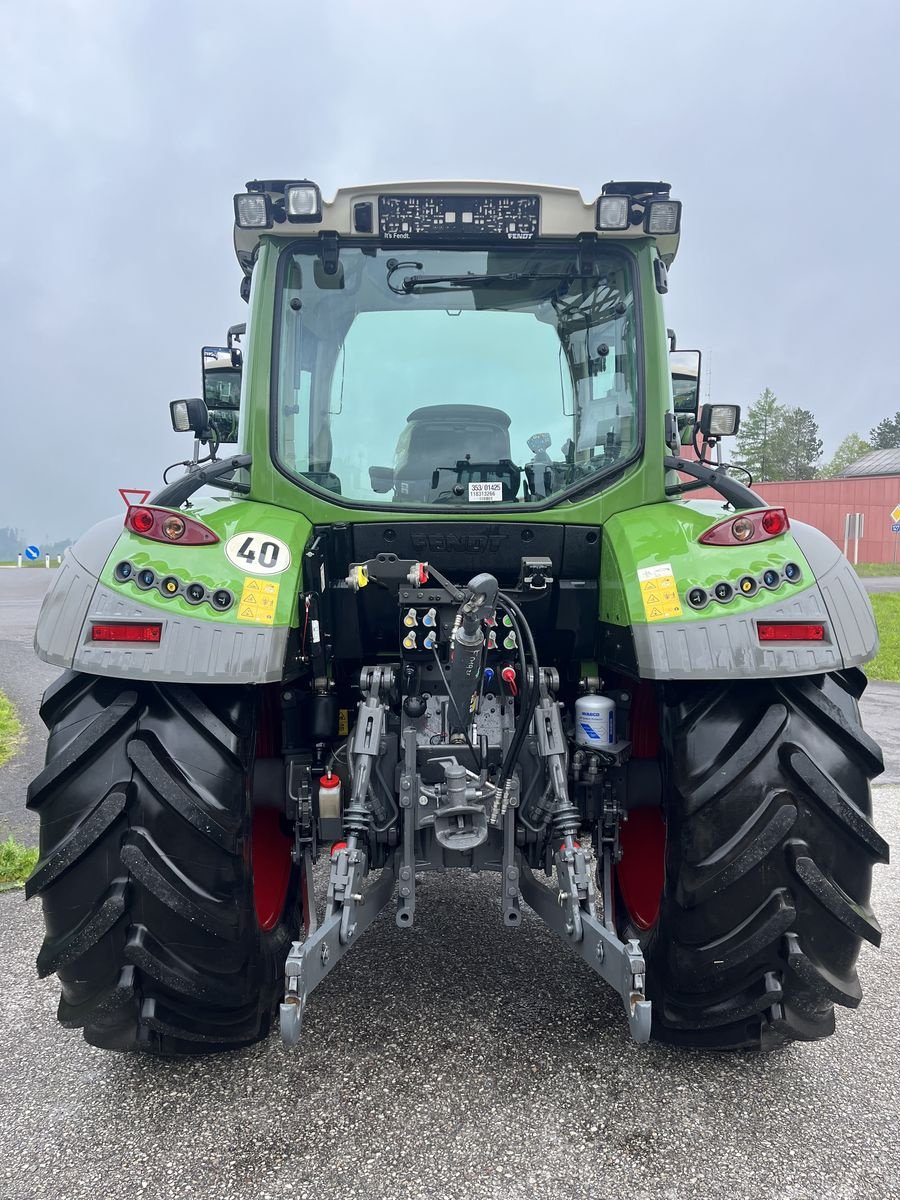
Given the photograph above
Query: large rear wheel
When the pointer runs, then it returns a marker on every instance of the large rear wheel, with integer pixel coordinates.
(169, 900)
(769, 848)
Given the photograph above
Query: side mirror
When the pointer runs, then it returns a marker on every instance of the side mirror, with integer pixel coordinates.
(720, 420)
(684, 366)
(381, 478)
(190, 415)
(222, 369)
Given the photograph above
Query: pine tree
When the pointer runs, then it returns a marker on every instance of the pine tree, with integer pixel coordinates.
(802, 445)
(761, 438)
(851, 449)
(886, 434)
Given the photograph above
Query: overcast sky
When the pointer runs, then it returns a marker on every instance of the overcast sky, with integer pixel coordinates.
(126, 127)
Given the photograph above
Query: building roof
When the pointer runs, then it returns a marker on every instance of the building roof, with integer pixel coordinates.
(876, 462)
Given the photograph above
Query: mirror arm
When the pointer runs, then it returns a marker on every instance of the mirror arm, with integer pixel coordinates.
(737, 494)
(173, 495)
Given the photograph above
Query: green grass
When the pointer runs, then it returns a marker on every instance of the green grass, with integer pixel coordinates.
(31, 566)
(886, 664)
(875, 570)
(10, 729)
(16, 864)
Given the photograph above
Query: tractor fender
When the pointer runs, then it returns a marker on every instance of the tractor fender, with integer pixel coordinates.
(194, 647)
(651, 561)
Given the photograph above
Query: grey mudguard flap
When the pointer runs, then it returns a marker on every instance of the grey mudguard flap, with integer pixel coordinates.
(726, 646)
(190, 649)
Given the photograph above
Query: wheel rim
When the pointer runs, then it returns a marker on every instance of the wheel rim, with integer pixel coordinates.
(640, 872)
(272, 862)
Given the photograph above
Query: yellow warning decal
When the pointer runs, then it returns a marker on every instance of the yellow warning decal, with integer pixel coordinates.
(258, 600)
(659, 592)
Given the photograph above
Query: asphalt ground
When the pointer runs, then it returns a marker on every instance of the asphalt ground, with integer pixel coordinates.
(458, 1059)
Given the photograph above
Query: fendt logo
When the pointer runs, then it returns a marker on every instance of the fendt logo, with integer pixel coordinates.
(458, 543)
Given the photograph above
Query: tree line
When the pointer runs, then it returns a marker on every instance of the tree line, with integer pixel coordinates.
(778, 441)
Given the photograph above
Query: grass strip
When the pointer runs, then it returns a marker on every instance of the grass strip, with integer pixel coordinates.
(886, 664)
(16, 864)
(10, 729)
(877, 570)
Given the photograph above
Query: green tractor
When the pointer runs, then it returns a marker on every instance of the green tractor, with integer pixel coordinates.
(446, 605)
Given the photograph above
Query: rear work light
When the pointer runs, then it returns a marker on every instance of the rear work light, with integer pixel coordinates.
(746, 528)
(127, 631)
(790, 631)
(164, 525)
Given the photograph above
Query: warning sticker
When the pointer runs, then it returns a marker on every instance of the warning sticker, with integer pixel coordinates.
(486, 491)
(659, 592)
(258, 600)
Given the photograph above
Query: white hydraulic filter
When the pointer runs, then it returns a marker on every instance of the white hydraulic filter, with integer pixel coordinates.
(595, 721)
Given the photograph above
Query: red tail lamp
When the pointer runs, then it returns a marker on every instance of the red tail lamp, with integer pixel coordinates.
(746, 528)
(790, 631)
(166, 525)
(128, 631)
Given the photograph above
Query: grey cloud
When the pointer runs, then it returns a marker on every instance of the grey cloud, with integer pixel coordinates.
(125, 129)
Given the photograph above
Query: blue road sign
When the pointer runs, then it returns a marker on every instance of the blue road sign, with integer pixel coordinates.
(895, 528)
(32, 552)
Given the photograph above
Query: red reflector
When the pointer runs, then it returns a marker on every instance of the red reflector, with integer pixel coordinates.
(787, 631)
(123, 631)
(774, 521)
(141, 519)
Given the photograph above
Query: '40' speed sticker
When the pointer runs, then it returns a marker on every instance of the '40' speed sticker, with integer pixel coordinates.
(258, 553)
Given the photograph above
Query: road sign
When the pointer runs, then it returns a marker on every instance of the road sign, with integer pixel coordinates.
(32, 552)
(139, 496)
(895, 528)
(895, 515)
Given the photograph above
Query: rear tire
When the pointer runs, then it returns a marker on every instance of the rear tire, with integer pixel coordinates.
(145, 870)
(769, 855)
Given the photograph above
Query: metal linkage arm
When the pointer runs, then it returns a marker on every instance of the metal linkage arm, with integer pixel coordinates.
(309, 962)
(620, 964)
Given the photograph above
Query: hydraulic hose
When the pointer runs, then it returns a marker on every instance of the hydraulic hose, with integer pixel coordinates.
(534, 694)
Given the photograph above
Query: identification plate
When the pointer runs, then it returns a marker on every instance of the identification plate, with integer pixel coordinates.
(486, 491)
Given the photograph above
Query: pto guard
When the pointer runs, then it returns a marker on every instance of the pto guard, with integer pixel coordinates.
(651, 560)
(197, 645)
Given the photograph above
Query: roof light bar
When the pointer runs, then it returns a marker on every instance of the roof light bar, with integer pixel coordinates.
(613, 212)
(253, 210)
(303, 202)
(663, 217)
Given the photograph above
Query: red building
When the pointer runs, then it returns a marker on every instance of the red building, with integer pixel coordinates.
(870, 486)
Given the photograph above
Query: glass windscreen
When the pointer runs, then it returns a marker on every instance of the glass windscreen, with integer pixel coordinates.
(455, 377)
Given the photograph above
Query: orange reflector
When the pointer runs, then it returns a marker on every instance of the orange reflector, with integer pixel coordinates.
(126, 631)
(790, 631)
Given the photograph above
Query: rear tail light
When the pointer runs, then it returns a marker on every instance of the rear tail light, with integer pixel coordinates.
(790, 631)
(127, 631)
(164, 525)
(747, 528)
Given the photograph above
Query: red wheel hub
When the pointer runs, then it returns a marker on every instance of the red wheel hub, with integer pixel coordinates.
(271, 846)
(641, 870)
(271, 853)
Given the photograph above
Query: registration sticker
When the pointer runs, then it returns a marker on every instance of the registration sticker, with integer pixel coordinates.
(659, 592)
(258, 600)
(486, 491)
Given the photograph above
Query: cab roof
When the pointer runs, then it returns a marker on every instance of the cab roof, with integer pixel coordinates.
(458, 212)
